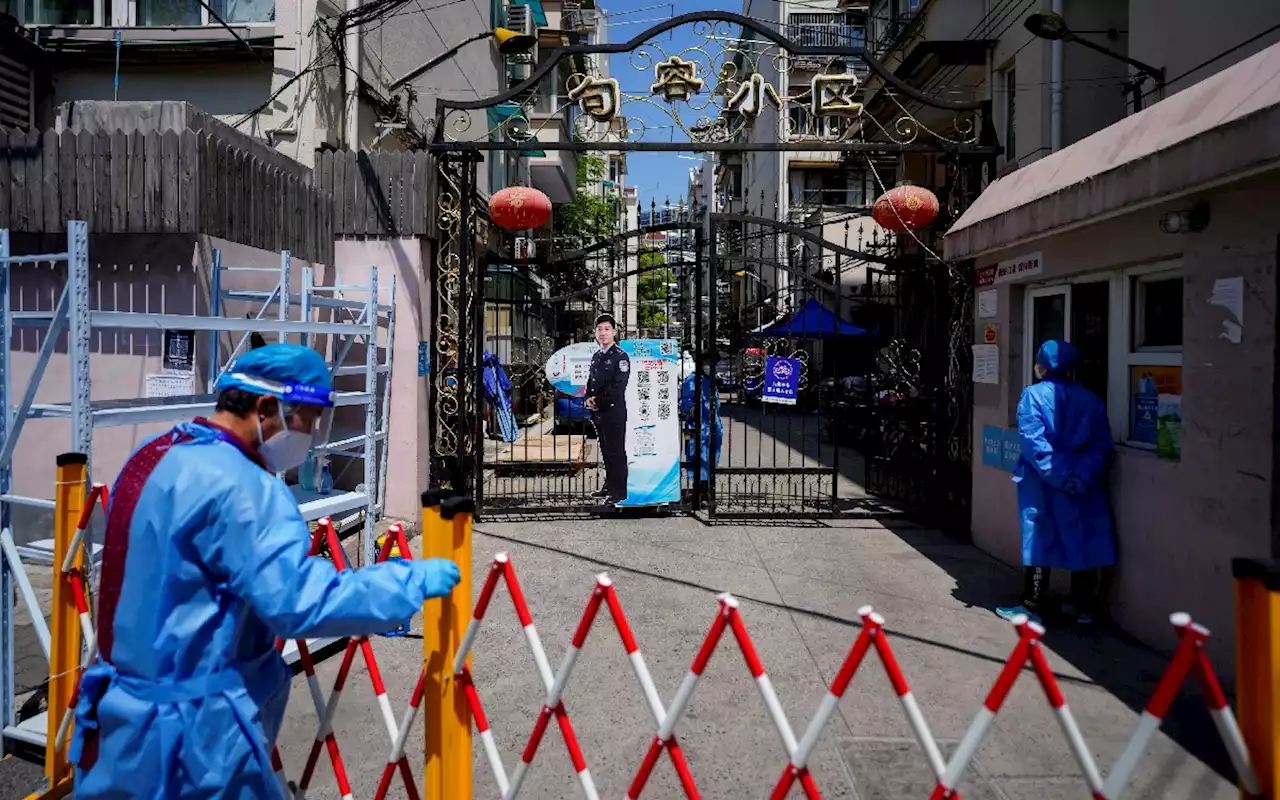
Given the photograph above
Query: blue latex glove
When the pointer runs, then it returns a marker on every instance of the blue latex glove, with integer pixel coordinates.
(438, 576)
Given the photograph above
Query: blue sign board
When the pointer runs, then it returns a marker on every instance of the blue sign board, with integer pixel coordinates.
(781, 380)
(424, 359)
(993, 446)
(1012, 449)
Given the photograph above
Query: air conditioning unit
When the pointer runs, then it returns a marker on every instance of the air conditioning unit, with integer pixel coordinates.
(520, 20)
(524, 248)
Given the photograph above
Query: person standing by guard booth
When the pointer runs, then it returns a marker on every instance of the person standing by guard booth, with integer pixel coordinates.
(607, 401)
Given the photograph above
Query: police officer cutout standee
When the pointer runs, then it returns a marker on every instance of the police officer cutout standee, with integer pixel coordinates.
(606, 398)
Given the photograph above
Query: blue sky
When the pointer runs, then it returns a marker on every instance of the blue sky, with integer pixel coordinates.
(656, 175)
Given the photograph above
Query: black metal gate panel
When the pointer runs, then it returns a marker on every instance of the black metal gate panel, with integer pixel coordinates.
(782, 300)
(544, 456)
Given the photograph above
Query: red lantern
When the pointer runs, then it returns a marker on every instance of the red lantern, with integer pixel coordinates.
(905, 207)
(519, 208)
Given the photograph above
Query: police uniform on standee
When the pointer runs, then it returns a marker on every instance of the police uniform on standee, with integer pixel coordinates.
(607, 384)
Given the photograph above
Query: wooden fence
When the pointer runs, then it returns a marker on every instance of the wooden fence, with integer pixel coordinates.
(378, 194)
(173, 182)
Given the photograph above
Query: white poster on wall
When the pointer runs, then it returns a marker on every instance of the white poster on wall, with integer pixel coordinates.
(988, 303)
(170, 384)
(986, 363)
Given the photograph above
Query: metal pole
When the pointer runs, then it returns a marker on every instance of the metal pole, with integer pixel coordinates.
(215, 310)
(282, 313)
(371, 416)
(78, 342)
(7, 687)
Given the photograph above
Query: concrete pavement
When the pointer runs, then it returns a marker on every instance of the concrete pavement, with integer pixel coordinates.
(800, 587)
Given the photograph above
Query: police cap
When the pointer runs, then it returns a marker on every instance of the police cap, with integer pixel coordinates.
(606, 317)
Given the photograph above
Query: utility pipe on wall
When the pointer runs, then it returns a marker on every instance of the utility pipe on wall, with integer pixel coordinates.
(1055, 88)
(351, 80)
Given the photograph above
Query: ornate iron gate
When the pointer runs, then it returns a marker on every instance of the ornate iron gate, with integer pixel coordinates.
(757, 287)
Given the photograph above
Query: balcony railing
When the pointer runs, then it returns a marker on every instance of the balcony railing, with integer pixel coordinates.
(826, 34)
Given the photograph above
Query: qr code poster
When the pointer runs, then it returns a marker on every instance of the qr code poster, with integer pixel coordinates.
(653, 427)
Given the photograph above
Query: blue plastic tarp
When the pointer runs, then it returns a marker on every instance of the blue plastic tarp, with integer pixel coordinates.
(812, 321)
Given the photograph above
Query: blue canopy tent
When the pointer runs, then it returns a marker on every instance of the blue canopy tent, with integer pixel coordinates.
(812, 321)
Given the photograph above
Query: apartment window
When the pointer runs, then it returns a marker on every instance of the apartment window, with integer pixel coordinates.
(1010, 83)
(1153, 303)
(66, 12)
(149, 13)
(831, 187)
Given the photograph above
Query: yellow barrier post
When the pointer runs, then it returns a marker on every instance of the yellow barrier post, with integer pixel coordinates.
(64, 630)
(435, 538)
(456, 513)
(1258, 666)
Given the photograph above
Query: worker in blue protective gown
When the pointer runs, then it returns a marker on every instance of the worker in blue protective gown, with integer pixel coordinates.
(205, 564)
(1062, 493)
(707, 441)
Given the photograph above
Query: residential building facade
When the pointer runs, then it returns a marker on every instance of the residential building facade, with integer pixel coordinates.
(1149, 240)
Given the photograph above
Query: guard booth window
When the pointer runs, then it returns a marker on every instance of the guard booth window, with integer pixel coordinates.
(1077, 313)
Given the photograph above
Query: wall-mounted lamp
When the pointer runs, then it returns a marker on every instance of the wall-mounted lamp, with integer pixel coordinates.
(1051, 26)
(1192, 220)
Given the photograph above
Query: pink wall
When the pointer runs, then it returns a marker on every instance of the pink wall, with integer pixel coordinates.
(407, 457)
(1179, 523)
(136, 273)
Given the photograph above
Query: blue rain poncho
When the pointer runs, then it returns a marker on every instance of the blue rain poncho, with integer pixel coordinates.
(205, 565)
(1062, 496)
(497, 388)
(712, 427)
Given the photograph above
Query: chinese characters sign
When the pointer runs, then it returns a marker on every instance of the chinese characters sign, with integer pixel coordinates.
(781, 380)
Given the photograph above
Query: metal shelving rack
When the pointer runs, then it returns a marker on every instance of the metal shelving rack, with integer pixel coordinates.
(357, 314)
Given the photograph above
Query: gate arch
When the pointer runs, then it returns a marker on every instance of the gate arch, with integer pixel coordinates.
(734, 94)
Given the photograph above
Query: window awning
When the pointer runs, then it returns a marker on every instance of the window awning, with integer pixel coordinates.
(1226, 127)
(535, 7)
(501, 113)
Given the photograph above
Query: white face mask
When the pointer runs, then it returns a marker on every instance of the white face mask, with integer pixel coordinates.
(285, 450)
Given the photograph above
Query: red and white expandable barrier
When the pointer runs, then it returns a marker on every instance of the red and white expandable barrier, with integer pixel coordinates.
(326, 709)
(872, 635)
(555, 683)
(1028, 650)
(1189, 656)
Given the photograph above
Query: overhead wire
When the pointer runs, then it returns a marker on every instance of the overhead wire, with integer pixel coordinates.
(1218, 57)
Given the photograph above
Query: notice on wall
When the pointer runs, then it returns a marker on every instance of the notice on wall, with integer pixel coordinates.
(424, 359)
(986, 363)
(1012, 449)
(1155, 409)
(990, 333)
(170, 384)
(1017, 269)
(179, 351)
(988, 303)
(1228, 293)
(993, 446)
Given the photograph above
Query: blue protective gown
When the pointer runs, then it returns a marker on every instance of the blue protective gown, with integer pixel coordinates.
(190, 692)
(712, 426)
(1062, 497)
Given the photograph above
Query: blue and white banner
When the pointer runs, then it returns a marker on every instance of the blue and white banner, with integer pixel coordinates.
(569, 367)
(781, 380)
(653, 426)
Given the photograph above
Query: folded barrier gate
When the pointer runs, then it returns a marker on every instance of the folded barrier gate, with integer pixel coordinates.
(1189, 658)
